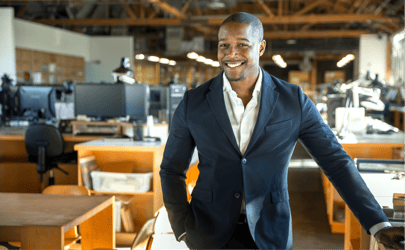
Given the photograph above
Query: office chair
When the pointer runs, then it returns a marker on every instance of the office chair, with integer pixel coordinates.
(143, 238)
(71, 236)
(45, 146)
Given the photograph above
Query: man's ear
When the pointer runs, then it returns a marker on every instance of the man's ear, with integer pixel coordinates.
(262, 47)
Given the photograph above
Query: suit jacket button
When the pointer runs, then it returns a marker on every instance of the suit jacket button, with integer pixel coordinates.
(237, 195)
(244, 160)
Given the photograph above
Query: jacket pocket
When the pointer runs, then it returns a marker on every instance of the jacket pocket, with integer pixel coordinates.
(202, 194)
(279, 196)
(279, 125)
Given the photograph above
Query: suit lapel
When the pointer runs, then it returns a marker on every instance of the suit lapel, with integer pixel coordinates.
(268, 100)
(216, 101)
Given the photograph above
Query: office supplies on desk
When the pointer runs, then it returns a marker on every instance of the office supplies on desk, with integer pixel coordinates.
(103, 128)
(379, 165)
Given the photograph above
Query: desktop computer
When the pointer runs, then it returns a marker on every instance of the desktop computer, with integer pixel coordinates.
(176, 93)
(159, 101)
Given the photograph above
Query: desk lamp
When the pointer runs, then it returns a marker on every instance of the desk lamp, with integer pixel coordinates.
(123, 74)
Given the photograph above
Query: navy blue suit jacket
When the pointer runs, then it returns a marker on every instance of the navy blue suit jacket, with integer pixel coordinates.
(286, 115)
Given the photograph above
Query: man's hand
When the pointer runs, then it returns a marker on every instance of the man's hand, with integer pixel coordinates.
(390, 237)
(183, 238)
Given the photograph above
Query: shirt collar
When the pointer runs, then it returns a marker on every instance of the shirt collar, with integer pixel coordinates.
(258, 86)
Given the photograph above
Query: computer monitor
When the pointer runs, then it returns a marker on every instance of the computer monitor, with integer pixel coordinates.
(159, 99)
(99, 100)
(37, 101)
(137, 101)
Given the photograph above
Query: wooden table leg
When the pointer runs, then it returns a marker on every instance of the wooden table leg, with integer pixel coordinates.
(98, 231)
(42, 238)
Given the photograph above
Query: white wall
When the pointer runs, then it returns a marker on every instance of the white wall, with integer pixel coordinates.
(40, 37)
(108, 51)
(7, 47)
(373, 55)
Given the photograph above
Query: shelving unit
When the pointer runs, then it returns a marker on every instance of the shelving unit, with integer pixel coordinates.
(125, 157)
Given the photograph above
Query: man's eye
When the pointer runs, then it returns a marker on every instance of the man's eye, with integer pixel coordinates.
(243, 45)
(223, 45)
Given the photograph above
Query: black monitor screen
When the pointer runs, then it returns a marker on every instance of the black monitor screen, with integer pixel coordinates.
(137, 101)
(37, 101)
(154, 95)
(99, 100)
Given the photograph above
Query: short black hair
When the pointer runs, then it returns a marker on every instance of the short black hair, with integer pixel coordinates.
(246, 18)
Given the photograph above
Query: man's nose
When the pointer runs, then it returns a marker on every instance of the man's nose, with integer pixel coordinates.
(233, 51)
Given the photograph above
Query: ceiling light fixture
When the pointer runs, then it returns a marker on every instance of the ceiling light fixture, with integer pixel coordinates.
(172, 63)
(345, 60)
(139, 56)
(164, 61)
(215, 64)
(200, 59)
(279, 61)
(208, 61)
(192, 55)
(153, 58)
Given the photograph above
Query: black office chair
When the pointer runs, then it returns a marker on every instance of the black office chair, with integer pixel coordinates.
(45, 146)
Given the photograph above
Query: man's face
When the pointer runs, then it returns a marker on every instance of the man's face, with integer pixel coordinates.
(239, 51)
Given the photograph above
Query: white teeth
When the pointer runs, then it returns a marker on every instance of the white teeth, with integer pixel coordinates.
(233, 65)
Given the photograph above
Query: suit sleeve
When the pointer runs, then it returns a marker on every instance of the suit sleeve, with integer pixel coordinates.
(337, 165)
(176, 160)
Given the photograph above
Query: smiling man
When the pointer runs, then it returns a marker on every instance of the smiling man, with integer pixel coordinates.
(245, 124)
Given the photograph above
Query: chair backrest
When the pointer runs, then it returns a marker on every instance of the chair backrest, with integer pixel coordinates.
(44, 135)
(142, 238)
(66, 189)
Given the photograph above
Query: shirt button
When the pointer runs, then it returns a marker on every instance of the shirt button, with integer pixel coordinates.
(244, 160)
(237, 195)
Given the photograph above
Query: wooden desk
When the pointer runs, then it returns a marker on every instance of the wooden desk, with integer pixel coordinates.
(372, 146)
(20, 176)
(129, 157)
(382, 187)
(39, 221)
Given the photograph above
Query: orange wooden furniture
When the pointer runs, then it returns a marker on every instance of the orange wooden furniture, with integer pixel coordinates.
(368, 146)
(39, 221)
(127, 157)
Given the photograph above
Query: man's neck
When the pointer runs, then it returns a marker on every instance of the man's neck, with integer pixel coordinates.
(245, 88)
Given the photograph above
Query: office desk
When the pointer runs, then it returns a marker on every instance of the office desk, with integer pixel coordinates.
(373, 146)
(399, 117)
(382, 186)
(18, 175)
(39, 221)
(129, 157)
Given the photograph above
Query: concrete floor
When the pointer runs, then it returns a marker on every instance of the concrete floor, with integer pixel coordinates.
(310, 223)
(308, 210)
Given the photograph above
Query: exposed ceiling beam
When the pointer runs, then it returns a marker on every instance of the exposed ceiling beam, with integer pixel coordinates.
(265, 8)
(309, 7)
(167, 8)
(113, 22)
(314, 34)
(128, 10)
(22, 10)
(335, 6)
(355, 5)
(216, 21)
(185, 7)
(313, 18)
(197, 7)
(280, 7)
